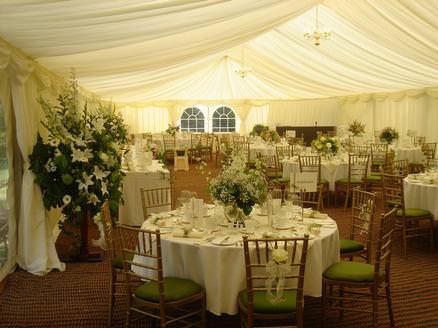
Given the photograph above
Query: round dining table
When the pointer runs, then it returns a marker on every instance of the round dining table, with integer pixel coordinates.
(215, 260)
(421, 191)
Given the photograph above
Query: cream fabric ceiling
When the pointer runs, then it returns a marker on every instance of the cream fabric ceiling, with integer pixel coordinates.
(138, 51)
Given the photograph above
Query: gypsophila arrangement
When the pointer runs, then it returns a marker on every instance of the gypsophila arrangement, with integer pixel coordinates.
(78, 165)
(388, 134)
(238, 185)
(356, 128)
(326, 145)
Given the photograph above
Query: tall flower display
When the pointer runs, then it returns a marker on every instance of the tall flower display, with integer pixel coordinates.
(326, 145)
(356, 128)
(236, 185)
(78, 164)
(388, 134)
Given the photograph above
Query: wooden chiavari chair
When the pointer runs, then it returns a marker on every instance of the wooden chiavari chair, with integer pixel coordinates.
(166, 300)
(312, 163)
(348, 286)
(255, 303)
(157, 200)
(362, 219)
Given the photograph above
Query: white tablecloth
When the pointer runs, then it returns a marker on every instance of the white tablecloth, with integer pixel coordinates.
(412, 154)
(421, 195)
(331, 170)
(260, 148)
(155, 176)
(221, 270)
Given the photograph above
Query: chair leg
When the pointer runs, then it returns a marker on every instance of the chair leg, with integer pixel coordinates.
(347, 195)
(323, 303)
(374, 292)
(204, 312)
(111, 304)
(341, 302)
(389, 302)
(404, 239)
(431, 234)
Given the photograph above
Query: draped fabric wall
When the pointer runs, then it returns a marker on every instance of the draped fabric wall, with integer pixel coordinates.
(21, 81)
(409, 110)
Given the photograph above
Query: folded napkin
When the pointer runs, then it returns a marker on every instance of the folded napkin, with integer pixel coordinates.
(320, 215)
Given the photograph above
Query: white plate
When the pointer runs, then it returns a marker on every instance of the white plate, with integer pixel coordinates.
(222, 241)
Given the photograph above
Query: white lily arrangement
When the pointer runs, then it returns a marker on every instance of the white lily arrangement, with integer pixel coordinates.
(78, 165)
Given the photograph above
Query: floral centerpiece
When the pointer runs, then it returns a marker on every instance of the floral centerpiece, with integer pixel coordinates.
(78, 164)
(238, 187)
(326, 145)
(356, 128)
(388, 134)
(258, 129)
(270, 136)
(172, 129)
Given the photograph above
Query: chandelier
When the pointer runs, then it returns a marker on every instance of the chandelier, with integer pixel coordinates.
(243, 71)
(318, 32)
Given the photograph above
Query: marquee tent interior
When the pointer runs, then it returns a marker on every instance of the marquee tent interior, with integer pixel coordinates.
(153, 59)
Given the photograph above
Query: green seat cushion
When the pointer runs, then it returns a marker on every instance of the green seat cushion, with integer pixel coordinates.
(118, 261)
(345, 180)
(281, 180)
(350, 271)
(413, 212)
(348, 246)
(275, 175)
(263, 305)
(374, 177)
(175, 289)
(377, 162)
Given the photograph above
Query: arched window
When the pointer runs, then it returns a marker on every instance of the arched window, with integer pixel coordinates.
(193, 120)
(224, 120)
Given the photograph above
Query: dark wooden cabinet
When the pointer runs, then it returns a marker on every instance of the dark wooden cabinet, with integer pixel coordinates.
(307, 132)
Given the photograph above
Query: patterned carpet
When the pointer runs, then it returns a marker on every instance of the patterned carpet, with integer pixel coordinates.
(79, 296)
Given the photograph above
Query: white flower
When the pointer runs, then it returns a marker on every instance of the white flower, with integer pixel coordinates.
(328, 145)
(279, 255)
(322, 138)
(84, 184)
(104, 157)
(57, 152)
(50, 166)
(81, 156)
(93, 199)
(66, 199)
(99, 174)
(104, 188)
(54, 142)
(99, 125)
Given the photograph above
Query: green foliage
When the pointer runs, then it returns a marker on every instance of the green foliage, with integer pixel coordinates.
(388, 134)
(258, 129)
(79, 165)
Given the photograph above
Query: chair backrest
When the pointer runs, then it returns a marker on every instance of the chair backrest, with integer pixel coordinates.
(269, 165)
(312, 199)
(357, 166)
(359, 149)
(242, 147)
(259, 258)
(142, 259)
(362, 217)
(384, 244)
(158, 198)
(419, 140)
(400, 167)
(310, 163)
(379, 152)
(168, 142)
(147, 137)
(428, 149)
(393, 194)
(283, 152)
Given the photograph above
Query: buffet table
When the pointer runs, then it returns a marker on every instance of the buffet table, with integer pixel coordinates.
(421, 191)
(214, 258)
(154, 176)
